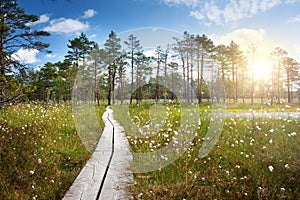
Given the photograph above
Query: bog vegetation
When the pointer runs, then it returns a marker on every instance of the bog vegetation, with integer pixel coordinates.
(253, 159)
(41, 152)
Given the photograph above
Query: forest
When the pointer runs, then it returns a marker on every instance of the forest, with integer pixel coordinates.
(192, 66)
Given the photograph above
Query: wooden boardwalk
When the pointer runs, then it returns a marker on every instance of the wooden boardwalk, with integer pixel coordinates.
(106, 175)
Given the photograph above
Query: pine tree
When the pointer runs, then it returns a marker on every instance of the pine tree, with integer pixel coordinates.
(134, 48)
(15, 34)
(112, 49)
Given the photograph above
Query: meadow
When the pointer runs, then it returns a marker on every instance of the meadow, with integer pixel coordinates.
(40, 151)
(253, 158)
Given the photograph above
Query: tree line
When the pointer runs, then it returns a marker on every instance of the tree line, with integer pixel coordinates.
(191, 68)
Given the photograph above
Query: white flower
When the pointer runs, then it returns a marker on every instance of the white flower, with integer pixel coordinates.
(286, 166)
(270, 141)
(293, 134)
(140, 195)
(271, 168)
(31, 172)
(282, 189)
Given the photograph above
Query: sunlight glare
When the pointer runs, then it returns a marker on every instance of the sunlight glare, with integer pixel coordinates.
(262, 69)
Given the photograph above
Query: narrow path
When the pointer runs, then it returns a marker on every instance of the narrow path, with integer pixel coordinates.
(106, 175)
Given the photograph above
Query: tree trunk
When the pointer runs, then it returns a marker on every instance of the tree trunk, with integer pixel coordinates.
(232, 85)
(131, 89)
(109, 85)
(288, 86)
(157, 82)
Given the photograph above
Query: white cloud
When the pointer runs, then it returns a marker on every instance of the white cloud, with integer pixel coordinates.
(89, 13)
(231, 12)
(26, 56)
(189, 3)
(42, 19)
(292, 1)
(227, 11)
(294, 19)
(68, 26)
(245, 37)
(49, 55)
(92, 36)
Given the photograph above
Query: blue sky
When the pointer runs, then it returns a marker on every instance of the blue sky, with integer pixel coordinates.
(265, 23)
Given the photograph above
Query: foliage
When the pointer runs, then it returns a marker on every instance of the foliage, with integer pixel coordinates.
(40, 151)
(15, 34)
(252, 160)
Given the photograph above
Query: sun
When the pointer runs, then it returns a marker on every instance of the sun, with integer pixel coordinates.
(262, 69)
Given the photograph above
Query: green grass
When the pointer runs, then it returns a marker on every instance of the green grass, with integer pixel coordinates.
(258, 107)
(238, 167)
(40, 151)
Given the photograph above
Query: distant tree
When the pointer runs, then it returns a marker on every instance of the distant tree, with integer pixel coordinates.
(221, 56)
(159, 58)
(96, 56)
(188, 52)
(15, 34)
(142, 69)
(179, 49)
(291, 68)
(204, 46)
(134, 48)
(279, 54)
(174, 68)
(113, 53)
(79, 48)
(235, 56)
(252, 51)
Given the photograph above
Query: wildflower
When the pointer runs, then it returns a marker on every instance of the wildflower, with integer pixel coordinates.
(293, 134)
(270, 141)
(271, 168)
(39, 161)
(271, 130)
(286, 166)
(31, 172)
(140, 195)
(282, 189)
